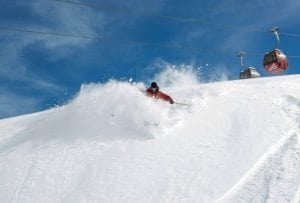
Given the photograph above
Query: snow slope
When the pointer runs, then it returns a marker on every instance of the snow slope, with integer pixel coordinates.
(237, 142)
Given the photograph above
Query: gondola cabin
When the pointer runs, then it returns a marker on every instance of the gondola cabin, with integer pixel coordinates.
(249, 73)
(275, 61)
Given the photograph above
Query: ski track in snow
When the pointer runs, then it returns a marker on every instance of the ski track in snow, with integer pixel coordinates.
(276, 176)
(237, 142)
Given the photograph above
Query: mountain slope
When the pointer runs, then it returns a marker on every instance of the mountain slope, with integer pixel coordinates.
(237, 142)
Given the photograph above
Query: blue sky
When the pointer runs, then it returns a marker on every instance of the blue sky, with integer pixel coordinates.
(38, 71)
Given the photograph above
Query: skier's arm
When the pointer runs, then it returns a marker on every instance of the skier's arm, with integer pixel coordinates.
(165, 97)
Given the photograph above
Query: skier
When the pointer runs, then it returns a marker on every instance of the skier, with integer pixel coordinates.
(153, 91)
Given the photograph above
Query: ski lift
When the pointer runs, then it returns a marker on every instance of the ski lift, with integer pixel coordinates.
(275, 61)
(249, 72)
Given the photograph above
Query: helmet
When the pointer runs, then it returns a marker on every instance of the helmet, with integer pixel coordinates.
(154, 87)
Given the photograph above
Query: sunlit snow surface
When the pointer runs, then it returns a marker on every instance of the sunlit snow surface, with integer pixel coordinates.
(237, 142)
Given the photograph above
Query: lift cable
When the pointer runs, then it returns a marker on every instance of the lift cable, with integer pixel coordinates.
(172, 18)
(142, 43)
(167, 17)
(86, 37)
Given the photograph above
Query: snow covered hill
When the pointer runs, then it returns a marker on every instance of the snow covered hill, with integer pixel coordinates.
(239, 141)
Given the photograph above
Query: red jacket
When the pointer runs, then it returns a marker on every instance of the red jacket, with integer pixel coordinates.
(159, 95)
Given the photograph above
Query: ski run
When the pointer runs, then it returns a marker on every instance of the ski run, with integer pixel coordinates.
(237, 141)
